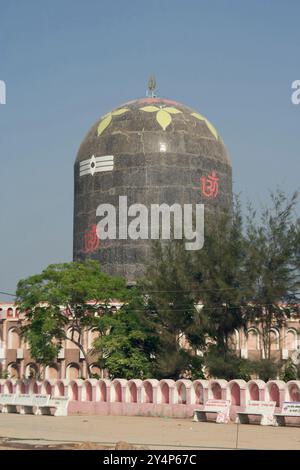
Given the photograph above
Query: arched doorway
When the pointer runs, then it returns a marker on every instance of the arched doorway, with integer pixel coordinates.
(13, 339)
(133, 393)
(148, 392)
(294, 392)
(31, 371)
(235, 394)
(182, 394)
(72, 371)
(274, 339)
(199, 394)
(72, 332)
(291, 340)
(118, 392)
(254, 392)
(95, 371)
(216, 391)
(13, 370)
(92, 335)
(88, 391)
(274, 394)
(165, 393)
(103, 391)
(252, 340)
(51, 372)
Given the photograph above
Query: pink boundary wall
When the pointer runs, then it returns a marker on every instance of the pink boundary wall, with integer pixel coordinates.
(152, 397)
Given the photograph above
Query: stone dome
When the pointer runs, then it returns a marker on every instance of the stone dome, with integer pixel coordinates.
(154, 151)
(152, 122)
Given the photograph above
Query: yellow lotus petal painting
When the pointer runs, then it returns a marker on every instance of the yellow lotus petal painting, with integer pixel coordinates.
(107, 118)
(163, 118)
(104, 124)
(212, 129)
(163, 114)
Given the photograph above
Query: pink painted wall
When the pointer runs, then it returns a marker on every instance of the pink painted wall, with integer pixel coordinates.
(199, 393)
(165, 393)
(103, 392)
(294, 392)
(274, 394)
(254, 392)
(88, 391)
(235, 394)
(148, 393)
(216, 391)
(133, 393)
(74, 389)
(118, 392)
(153, 398)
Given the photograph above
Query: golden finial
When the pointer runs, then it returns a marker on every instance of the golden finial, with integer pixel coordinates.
(151, 87)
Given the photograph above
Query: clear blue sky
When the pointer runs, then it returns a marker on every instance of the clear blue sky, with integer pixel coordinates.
(66, 62)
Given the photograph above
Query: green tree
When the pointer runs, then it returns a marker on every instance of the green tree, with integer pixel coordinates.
(272, 265)
(229, 367)
(220, 279)
(265, 369)
(289, 371)
(244, 273)
(198, 297)
(68, 296)
(172, 306)
(128, 348)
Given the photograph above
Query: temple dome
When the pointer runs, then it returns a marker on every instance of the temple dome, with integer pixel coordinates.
(153, 151)
(163, 121)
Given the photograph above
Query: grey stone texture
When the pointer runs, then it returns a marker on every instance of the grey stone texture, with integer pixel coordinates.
(146, 174)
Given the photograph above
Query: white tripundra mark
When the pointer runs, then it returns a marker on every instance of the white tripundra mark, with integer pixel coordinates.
(96, 164)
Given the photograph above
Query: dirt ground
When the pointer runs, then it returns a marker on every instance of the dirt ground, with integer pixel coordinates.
(125, 432)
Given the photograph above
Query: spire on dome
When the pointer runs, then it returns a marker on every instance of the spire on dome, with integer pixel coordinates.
(151, 87)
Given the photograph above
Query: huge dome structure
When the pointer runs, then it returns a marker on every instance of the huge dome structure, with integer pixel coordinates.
(153, 151)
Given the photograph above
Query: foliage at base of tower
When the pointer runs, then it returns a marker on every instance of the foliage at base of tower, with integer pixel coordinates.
(272, 265)
(219, 279)
(197, 296)
(290, 371)
(61, 303)
(229, 367)
(247, 272)
(265, 369)
(181, 320)
(128, 349)
(178, 322)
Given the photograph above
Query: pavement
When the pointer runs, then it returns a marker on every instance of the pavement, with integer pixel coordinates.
(143, 432)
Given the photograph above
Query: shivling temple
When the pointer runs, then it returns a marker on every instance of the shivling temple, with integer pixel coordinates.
(154, 152)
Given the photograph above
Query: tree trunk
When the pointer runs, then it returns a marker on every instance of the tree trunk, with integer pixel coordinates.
(86, 361)
(81, 348)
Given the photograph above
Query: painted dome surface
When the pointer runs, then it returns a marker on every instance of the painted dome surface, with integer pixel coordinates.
(182, 127)
(153, 151)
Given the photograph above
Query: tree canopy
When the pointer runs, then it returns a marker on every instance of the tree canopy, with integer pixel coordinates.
(64, 298)
(181, 318)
